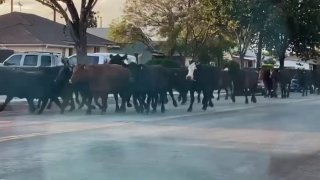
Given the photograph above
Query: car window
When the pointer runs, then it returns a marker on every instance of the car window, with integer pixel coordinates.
(45, 61)
(93, 59)
(30, 60)
(14, 60)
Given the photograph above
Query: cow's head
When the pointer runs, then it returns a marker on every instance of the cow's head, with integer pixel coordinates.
(117, 59)
(192, 67)
(80, 73)
(64, 75)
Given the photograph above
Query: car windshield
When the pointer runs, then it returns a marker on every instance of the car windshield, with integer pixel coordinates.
(159, 89)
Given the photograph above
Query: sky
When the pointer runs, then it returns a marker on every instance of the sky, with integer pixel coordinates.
(108, 9)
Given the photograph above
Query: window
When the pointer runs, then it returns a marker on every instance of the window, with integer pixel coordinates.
(73, 60)
(96, 49)
(93, 60)
(45, 61)
(14, 60)
(30, 60)
(250, 64)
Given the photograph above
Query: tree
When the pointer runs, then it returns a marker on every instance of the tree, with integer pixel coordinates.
(125, 33)
(239, 20)
(161, 18)
(294, 25)
(76, 22)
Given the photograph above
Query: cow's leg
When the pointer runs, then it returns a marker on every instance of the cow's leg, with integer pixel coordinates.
(184, 98)
(154, 105)
(104, 99)
(199, 98)
(174, 102)
(88, 103)
(191, 101)
(218, 98)
(43, 105)
(149, 99)
(136, 103)
(76, 93)
(288, 90)
(117, 102)
(253, 96)
(32, 108)
(128, 101)
(163, 99)
(227, 93)
(206, 99)
(246, 95)
(6, 102)
(210, 97)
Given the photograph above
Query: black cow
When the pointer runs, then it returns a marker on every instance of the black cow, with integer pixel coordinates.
(205, 78)
(283, 77)
(225, 82)
(154, 81)
(305, 81)
(244, 80)
(34, 84)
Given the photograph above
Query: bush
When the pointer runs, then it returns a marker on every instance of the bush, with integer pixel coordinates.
(168, 63)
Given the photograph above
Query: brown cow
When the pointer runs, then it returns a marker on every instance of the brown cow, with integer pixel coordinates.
(103, 80)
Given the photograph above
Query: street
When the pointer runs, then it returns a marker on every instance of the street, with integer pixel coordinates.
(275, 139)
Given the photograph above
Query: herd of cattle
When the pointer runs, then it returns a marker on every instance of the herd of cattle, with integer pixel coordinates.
(147, 86)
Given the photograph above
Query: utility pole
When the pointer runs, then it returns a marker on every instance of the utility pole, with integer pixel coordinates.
(54, 15)
(11, 5)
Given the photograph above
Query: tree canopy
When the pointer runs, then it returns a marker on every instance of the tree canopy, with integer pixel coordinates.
(204, 29)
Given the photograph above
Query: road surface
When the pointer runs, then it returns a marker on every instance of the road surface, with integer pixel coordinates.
(274, 139)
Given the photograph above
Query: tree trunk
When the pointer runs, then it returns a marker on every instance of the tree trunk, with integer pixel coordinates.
(241, 58)
(81, 46)
(259, 50)
(281, 60)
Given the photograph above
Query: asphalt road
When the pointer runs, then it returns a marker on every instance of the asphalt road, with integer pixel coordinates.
(274, 139)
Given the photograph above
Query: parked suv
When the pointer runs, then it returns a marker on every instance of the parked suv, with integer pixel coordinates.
(33, 59)
(98, 58)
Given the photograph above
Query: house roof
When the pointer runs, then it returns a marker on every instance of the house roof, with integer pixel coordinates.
(100, 32)
(22, 28)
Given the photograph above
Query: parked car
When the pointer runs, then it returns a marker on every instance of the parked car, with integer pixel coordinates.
(294, 87)
(98, 58)
(33, 59)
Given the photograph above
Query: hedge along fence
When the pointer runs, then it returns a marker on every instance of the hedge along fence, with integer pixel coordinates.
(168, 63)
